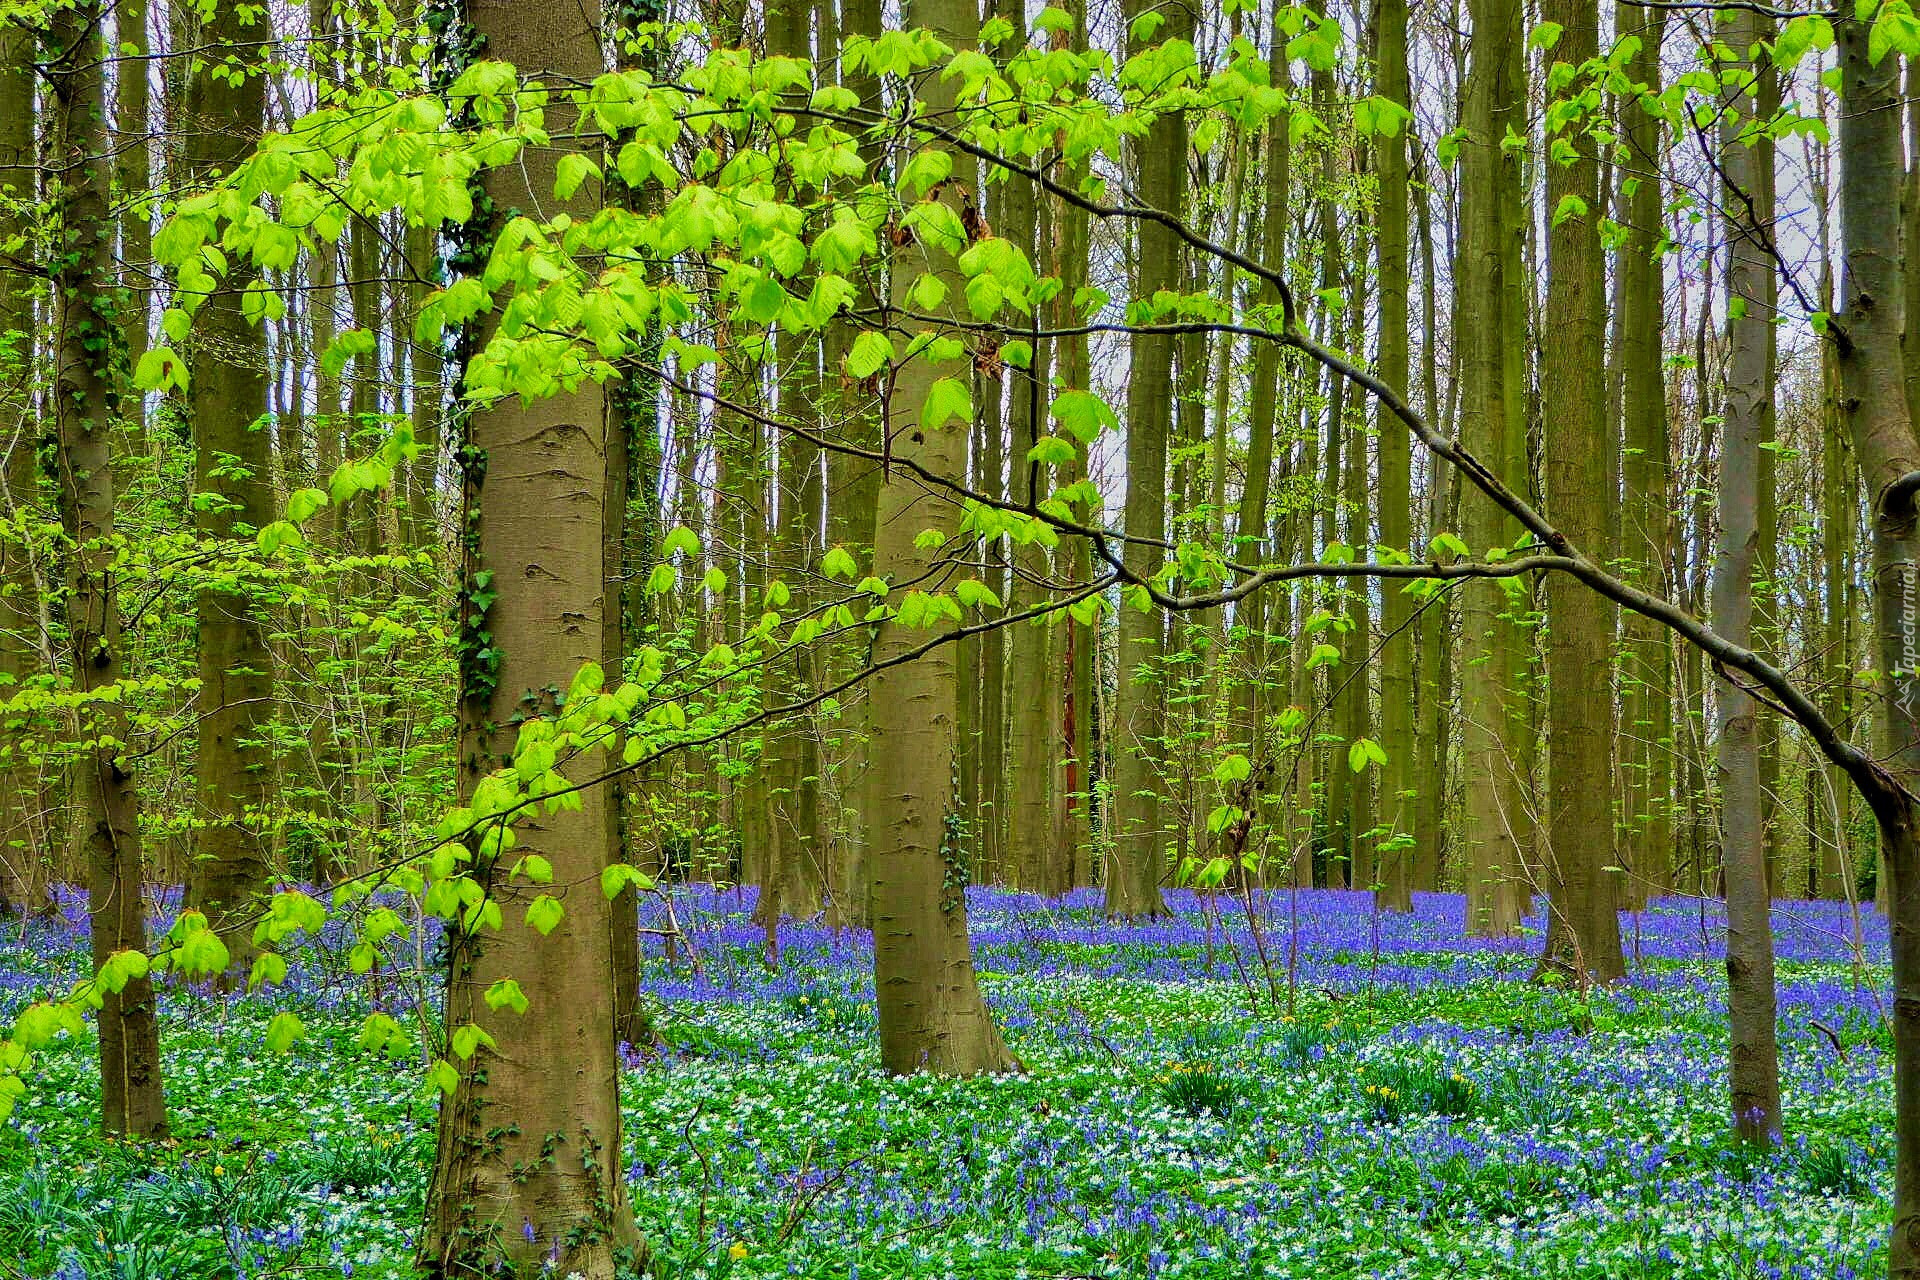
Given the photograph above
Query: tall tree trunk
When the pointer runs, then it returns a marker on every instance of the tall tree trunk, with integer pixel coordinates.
(1399, 783)
(1769, 623)
(529, 1156)
(1072, 370)
(1647, 675)
(1435, 695)
(1038, 857)
(1492, 818)
(1839, 499)
(223, 117)
(21, 858)
(795, 883)
(1138, 829)
(1264, 615)
(630, 545)
(426, 373)
(853, 486)
(1875, 405)
(931, 1014)
(1755, 1054)
(132, 177)
(132, 1102)
(1583, 923)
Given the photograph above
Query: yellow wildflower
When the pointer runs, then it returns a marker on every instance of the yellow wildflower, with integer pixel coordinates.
(738, 1250)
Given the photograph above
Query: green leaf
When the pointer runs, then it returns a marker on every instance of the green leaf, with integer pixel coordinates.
(837, 563)
(617, 877)
(1570, 206)
(1083, 414)
(269, 969)
(1363, 752)
(303, 503)
(973, 594)
(925, 171)
(1322, 655)
(465, 1040)
(160, 370)
(1234, 768)
(947, 399)
(1052, 451)
(1545, 35)
(870, 353)
(505, 993)
(572, 170)
(121, 968)
(544, 914)
(444, 1076)
(282, 1030)
(381, 1034)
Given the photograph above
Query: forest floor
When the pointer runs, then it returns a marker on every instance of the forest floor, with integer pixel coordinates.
(1384, 1100)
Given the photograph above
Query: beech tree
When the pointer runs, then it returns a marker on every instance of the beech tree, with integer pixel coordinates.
(876, 306)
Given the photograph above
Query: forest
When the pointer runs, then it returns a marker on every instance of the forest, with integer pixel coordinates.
(979, 638)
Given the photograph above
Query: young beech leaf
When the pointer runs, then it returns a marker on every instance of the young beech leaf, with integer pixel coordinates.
(381, 1034)
(282, 1030)
(506, 994)
(947, 399)
(269, 969)
(837, 563)
(616, 877)
(544, 913)
(444, 1076)
(870, 353)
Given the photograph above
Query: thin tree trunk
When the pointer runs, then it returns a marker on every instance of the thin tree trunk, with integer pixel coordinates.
(853, 486)
(1263, 615)
(1755, 1056)
(1399, 786)
(1491, 819)
(1647, 678)
(21, 857)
